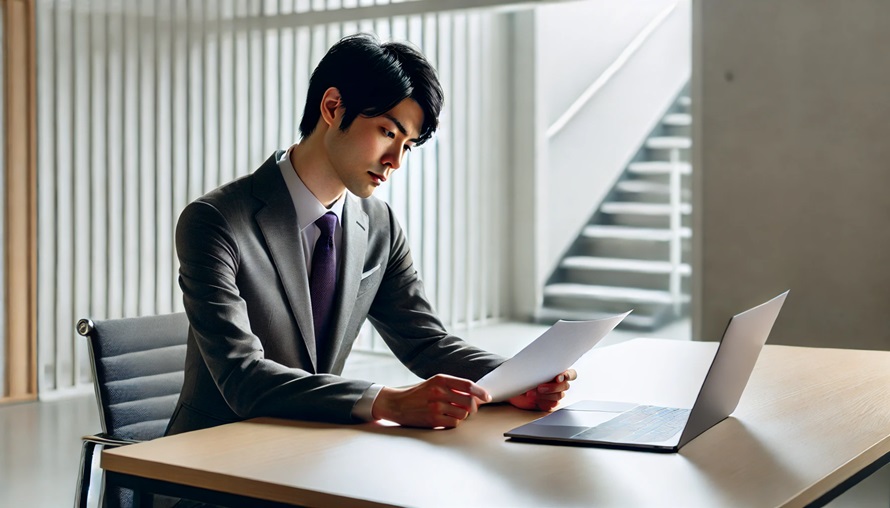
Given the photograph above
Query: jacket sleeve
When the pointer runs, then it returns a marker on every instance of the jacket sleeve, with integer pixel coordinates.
(251, 384)
(410, 327)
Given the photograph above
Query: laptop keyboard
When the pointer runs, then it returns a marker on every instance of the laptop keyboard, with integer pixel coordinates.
(642, 424)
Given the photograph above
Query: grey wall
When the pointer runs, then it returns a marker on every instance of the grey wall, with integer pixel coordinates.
(792, 120)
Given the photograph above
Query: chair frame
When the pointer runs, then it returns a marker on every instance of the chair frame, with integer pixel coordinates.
(90, 489)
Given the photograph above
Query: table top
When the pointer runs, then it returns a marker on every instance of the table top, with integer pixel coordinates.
(809, 419)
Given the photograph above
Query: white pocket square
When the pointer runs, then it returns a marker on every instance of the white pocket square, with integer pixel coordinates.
(365, 275)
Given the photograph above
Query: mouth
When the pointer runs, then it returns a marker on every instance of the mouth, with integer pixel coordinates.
(377, 179)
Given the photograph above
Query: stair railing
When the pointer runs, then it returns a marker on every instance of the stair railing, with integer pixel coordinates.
(676, 222)
(610, 71)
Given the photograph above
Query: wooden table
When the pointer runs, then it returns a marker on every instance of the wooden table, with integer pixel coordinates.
(811, 423)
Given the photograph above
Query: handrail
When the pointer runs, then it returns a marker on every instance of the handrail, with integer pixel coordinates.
(610, 71)
(319, 17)
(405, 8)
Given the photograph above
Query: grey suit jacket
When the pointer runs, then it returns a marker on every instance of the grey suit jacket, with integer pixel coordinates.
(251, 347)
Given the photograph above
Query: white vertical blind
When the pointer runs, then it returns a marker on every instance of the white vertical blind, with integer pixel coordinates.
(445, 140)
(3, 337)
(144, 105)
(46, 203)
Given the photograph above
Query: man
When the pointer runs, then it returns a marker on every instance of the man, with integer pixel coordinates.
(279, 269)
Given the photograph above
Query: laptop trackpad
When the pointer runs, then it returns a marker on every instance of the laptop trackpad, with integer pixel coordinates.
(585, 414)
(601, 405)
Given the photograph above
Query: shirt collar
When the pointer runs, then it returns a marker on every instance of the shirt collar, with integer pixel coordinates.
(308, 207)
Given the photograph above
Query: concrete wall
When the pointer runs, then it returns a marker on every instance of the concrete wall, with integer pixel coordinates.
(792, 120)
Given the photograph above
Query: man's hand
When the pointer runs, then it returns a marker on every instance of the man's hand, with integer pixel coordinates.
(440, 401)
(546, 396)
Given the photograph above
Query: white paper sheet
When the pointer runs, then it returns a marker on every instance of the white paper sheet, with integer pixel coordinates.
(553, 352)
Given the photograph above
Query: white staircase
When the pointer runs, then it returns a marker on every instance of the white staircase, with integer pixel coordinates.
(634, 254)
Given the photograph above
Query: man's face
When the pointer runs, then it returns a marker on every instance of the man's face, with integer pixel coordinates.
(372, 148)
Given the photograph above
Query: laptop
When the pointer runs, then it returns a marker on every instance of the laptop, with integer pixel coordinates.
(664, 429)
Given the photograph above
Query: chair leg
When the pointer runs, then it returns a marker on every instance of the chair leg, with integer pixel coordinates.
(81, 491)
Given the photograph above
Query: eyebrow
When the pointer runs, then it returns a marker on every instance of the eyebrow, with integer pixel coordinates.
(400, 127)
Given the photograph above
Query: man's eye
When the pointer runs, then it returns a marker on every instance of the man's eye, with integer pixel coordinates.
(388, 133)
(407, 148)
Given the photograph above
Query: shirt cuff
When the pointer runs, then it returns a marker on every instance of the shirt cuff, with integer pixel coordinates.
(363, 408)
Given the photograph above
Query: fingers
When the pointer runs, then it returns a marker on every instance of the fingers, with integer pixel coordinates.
(468, 387)
(554, 396)
(455, 398)
(553, 387)
(441, 401)
(454, 404)
(458, 391)
(534, 401)
(546, 396)
(456, 412)
(565, 377)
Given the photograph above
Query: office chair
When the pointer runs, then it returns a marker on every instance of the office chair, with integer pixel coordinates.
(137, 366)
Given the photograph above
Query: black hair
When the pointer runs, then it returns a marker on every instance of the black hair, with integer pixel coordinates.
(372, 78)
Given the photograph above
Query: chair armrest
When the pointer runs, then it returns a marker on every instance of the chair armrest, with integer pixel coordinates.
(90, 488)
(108, 441)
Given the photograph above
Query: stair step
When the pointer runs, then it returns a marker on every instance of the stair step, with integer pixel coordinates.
(648, 191)
(630, 208)
(623, 265)
(550, 314)
(668, 143)
(658, 167)
(643, 187)
(612, 293)
(631, 233)
(677, 119)
(648, 187)
(685, 101)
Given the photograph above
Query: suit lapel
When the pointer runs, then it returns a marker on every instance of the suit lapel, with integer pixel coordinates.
(352, 255)
(278, 223)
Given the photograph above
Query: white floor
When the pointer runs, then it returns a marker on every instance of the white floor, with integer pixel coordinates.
(40, 441)
(40, 450)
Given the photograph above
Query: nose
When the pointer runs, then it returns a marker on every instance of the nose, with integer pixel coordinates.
(392, 159)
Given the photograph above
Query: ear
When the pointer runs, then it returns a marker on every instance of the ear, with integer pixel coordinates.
(330, 103)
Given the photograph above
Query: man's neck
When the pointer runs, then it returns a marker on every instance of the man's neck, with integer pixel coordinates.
(315, 173)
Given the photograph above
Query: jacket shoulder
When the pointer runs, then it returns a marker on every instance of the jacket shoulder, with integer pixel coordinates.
(244, 194)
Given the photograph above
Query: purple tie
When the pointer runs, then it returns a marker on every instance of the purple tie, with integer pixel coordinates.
(323, 278)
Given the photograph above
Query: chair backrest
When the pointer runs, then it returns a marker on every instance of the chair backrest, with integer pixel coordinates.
(138, 368)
